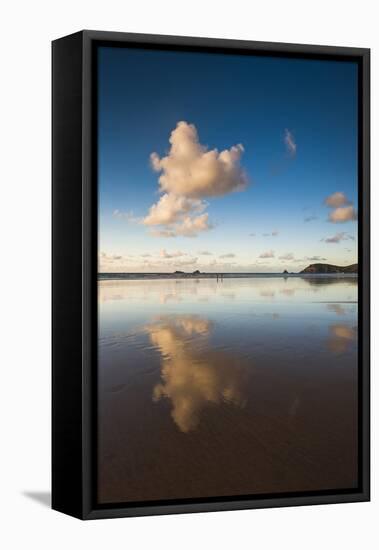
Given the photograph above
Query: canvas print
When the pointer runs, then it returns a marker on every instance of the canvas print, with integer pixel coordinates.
(227, 275)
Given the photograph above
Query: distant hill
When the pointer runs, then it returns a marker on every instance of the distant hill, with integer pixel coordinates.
(328, 268)
(196, 272)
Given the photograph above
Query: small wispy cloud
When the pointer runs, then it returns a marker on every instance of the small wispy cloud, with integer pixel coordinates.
(190, 261)
(315, 259)
(267, 254)
(128, 216)
(110, 257)
(290, 143)
(338, 237)
(205, 253)
(310, 219)
(288, 256)
(164, 254)
(228, 255)
(113, 261)
(282, 163)
(274, 233)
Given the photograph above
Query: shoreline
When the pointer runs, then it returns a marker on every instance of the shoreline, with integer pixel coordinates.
(217, 276)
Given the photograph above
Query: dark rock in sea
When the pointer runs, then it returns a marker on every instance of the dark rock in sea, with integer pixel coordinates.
(197, 272)
(328, 268)
(179, 272)
(285, 272)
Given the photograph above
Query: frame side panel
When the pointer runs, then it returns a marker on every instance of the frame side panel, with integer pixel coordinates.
(67, 275)
(366, 276)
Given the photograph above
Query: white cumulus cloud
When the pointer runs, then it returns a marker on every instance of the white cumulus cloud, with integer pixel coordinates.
(343, 214)
(171, 209)
(336, 199)
(190, 170)
(343, 211)
(189, 173)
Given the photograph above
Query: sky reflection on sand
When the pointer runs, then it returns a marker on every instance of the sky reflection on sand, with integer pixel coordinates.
(257, 375)
(252, 317)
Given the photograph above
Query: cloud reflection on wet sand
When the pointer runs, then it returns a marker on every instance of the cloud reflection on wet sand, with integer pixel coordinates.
(338, 309)
(193, 379)
(341, 337)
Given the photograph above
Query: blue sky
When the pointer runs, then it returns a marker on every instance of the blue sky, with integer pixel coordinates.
(297, 123)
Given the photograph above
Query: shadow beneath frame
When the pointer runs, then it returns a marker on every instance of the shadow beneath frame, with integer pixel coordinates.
(41, 497)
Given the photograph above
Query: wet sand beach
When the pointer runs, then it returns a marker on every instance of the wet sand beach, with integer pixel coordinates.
(226, 387)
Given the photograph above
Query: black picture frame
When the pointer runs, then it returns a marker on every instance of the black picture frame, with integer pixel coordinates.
(74, 273)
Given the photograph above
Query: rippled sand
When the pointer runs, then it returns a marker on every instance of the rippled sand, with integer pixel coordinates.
(220, 388)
